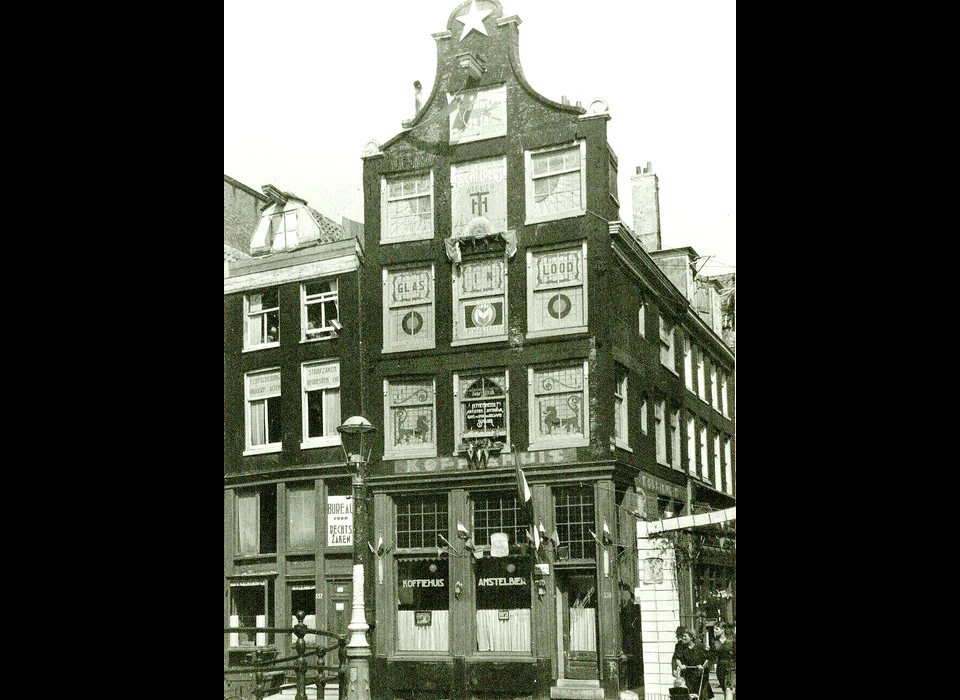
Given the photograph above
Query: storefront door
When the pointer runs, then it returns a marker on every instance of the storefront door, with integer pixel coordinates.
(577, 625)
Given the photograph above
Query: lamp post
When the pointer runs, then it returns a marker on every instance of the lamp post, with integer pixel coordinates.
(358, 650)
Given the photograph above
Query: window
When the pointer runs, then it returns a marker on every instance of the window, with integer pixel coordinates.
(480, 300)
(666, 346)
(498, 513)
(704, 465)
(723, 395)
(643, 416)
(717, 469)
(303, 597)
(282, 225)
(688, 363)
(423, 585)
(714, 401)
(301, 516)
(262, 312)
(256, 522)
(660, 427)
(701, 381)
(556, 291)
(612, 176)
(482, 403)
(575, 519)
(728, 462)
(251, 605)
(559, 399)
(675, 440)
(503, 603)
(692, 445)
(408, 309)
(556, 182)
(321, 403)
(620, 411)
(642, 320)
(318, 309)
(407, 205)
(410, 407)
(262, 391)
(478, 190)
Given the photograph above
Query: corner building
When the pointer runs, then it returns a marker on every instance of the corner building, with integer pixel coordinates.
(524, 367)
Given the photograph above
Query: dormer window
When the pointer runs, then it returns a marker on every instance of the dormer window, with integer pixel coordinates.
(281, 224)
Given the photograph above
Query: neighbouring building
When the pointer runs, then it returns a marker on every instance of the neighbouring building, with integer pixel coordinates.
(292, 329)
(542, 378)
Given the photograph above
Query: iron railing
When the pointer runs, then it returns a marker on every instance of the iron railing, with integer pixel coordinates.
(264, 666)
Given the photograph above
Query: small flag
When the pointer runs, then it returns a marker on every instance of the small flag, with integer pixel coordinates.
(556, 538)
(523, 489)
(462, 531)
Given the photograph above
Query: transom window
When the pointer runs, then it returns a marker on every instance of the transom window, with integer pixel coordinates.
(408, 309)
(319, 311)
(498, 513)
(263, 427)
(559, 398)
(575, 519)
(557, 291)
(407, 205)
(321, 403)
(410, 405)
(556, 182)
(262, 312)
(420, 520)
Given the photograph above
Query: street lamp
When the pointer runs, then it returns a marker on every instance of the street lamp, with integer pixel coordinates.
(358, 650)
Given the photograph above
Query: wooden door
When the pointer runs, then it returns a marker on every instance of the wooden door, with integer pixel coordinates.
(339, 605)
(577, 626)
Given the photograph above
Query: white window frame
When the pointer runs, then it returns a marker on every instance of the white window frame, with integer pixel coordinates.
(279, 226)
(691, 445)
(660, 431)
(667, 356)
(391, 450)
(248, 404)
(460, 433)
(264, 314)
(717, 467)
(537, 328)
(461, 299)
(701, 375)
(714, 401)
(621, 409)
(387, 233)
(545, 153)
(642, 320)
(326, 329)
(324, 377)
(546, 442)
(728, 464)
(643, 416)
(394, 311)
(675, 461)
(724, 410)
(704, 465)
(688, 363)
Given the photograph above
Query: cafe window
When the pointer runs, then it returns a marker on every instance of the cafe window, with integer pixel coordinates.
(420, 521)
(423, 605)
(503, 604)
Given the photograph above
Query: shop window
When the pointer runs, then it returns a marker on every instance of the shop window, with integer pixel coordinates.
(556, 182)
(263, 428)
(423, 605)
(257, 520)
(480, 300)
(301, 516)
(320, 384)
(557, 291)
(558, 407)
(410, 406)
(319, 312)
(503, 604)
(575, 519)
(408, 309)
(407, 206)
(251, 605)
(262, 313)
(620, 410)
(303, 597)
(420, 521)
(482, 412)
(493, 513)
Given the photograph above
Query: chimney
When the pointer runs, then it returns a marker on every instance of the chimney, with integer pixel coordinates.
(416, 97)
(645, 188)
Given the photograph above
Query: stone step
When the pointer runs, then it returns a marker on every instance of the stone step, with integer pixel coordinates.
(574, 689)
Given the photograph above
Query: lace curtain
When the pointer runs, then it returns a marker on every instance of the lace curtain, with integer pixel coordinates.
(432, 637)
(494, 634)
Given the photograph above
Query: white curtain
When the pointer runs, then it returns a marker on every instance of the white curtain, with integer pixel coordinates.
(261, 636)
(494, 634)
(583, 626)
(311, 622)
(258, 422)
(248, 520)
(255, 329)
(433, 637)
(234, 636)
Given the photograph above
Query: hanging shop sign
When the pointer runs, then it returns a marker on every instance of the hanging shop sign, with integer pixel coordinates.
(339, 521)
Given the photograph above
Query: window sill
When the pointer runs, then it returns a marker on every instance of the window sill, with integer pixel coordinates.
(558, 331)
(671, 370)
(474, 341)
(663, 463)
(270, 449)
(558, 216)
(418, 454)
(622, 446)
(322, 442)
(265, 346)
(387, 350)
(543, 445)
(315, 338)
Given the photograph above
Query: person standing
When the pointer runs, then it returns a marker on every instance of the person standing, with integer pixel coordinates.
(690, 659)
(725, 658)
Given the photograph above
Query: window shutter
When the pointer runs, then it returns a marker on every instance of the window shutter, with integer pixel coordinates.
(234, 636)
(261, 636)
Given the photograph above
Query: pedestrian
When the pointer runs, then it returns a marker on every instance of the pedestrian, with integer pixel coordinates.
(690, 660)
(724, 657)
